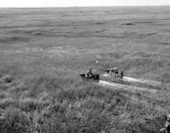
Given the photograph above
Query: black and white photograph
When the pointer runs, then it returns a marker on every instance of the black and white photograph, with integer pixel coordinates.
(84, 66)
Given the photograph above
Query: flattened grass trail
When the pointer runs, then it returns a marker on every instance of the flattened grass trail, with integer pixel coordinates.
(141, 81)
(125, 87)
(149, 82)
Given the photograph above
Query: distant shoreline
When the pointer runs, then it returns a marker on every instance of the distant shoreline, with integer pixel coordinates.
(78, 7)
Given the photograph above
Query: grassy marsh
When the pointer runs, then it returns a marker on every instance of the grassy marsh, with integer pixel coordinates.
(42, 52)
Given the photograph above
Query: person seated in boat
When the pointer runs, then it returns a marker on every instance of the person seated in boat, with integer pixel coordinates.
(111, 70)
(89, 73)
(114, 70)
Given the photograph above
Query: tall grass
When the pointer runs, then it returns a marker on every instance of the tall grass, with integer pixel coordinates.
(40, 88)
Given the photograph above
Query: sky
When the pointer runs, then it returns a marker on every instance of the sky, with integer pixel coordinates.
(68, 3)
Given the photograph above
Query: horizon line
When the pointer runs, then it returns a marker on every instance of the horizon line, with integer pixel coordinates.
(87, 6)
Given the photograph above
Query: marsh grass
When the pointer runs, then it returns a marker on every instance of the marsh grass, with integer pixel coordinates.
(41, 59)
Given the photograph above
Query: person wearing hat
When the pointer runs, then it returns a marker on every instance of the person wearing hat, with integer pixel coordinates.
(115, 70)
(89, 73)
(111, 70)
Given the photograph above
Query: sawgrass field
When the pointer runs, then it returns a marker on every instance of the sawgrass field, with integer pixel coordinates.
(43, 51)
